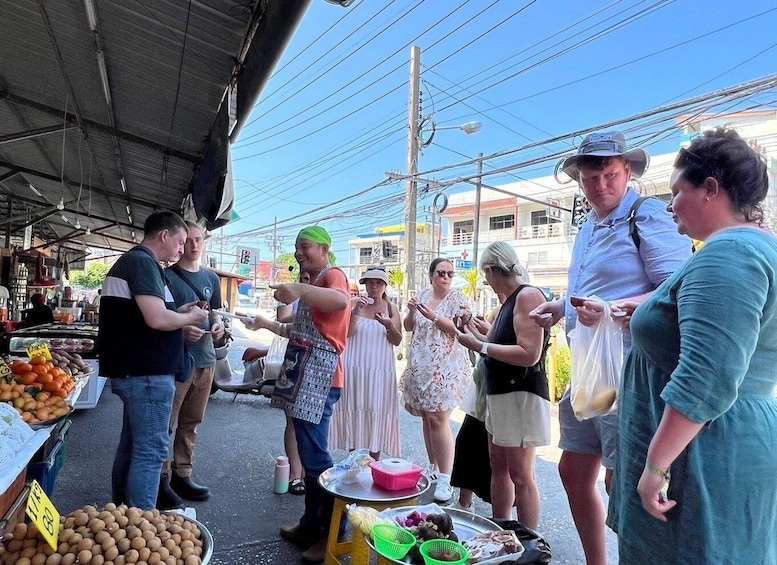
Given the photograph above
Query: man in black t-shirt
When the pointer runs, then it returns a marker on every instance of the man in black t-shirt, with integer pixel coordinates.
(141, 351)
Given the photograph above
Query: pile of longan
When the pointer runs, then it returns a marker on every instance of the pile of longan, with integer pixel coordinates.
(115, 535)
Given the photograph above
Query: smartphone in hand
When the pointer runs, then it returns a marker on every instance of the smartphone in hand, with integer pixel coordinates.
(576, 301)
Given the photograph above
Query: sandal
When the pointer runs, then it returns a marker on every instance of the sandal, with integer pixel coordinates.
(297, 486)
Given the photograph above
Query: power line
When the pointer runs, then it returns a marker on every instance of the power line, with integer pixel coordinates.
(337, 63)
(630, 19)
(340, 90)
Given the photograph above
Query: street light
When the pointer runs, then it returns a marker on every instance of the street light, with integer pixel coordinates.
(416, 142)
(428, 125)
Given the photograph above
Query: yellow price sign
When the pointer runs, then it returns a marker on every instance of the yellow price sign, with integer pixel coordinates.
(43, 514)
(39, 349)
(5, 371)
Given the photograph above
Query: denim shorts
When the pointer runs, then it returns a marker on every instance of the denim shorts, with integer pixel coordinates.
(597, 436)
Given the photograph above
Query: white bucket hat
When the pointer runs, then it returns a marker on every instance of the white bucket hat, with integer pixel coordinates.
(607, 144)
(374, 273)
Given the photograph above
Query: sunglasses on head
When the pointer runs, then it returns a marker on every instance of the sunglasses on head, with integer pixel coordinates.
(443, 274)
(697, 159)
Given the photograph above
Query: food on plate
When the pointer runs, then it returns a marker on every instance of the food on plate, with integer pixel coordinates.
(489, 545)
(72, 362)
(364, 518)
(36, 376)
(34, 406)
(115, 534)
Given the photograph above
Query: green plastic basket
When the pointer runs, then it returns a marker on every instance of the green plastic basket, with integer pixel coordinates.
(392, 541)
(436, 546)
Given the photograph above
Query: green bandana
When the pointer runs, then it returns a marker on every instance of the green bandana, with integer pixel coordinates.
(319, 235)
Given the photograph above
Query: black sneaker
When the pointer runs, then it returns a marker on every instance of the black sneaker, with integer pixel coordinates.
(166, 499)
(186, 488)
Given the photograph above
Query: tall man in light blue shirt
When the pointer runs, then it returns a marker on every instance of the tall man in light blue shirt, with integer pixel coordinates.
(608, 263)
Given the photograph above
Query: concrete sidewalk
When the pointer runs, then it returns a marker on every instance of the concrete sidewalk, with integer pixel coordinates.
(238, 443)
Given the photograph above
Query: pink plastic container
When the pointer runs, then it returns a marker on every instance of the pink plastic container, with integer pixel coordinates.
(395, 480)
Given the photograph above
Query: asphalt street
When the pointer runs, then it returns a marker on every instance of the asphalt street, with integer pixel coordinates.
(237, 447)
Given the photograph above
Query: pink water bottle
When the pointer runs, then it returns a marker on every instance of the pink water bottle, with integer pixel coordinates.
(281, 485)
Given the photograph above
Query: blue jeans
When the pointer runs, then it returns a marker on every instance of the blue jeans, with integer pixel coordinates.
(313, 447)
(143, 444)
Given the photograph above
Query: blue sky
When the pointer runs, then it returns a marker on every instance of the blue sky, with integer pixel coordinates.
(333, 118)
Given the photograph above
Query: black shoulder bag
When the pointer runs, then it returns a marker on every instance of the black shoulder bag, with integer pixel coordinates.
(185, 278)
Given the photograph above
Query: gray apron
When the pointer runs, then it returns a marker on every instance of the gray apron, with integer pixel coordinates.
(308, 369)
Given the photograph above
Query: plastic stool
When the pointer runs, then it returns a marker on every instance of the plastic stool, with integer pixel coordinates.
(357, 546)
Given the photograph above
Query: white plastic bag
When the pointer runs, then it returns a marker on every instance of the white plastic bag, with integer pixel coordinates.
(597, 360)
(274, 359)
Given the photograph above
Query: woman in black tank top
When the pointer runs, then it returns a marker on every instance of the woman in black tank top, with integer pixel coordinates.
(518, 418)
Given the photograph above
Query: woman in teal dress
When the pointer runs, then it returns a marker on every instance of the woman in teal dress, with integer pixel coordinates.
(697, 407)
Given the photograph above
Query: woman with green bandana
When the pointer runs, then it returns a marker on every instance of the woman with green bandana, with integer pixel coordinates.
(311, 378)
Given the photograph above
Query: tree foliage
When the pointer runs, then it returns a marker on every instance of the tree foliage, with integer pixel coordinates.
(284, 274)
(472, 281)
(93, 277)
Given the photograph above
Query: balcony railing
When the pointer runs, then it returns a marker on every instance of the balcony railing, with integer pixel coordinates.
(541, 232)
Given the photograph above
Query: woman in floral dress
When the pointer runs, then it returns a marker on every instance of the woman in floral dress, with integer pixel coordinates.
(438, 367)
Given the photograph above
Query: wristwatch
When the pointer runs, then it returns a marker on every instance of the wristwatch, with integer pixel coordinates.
(484, 348)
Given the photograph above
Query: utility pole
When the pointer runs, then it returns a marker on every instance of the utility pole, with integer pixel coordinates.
(476, 224)
(221, 249)
(274, 249)
(411, 194)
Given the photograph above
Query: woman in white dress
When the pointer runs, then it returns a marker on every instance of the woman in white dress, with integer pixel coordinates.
(367, 415)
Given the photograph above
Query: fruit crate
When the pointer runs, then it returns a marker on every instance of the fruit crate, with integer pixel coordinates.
(47, 462)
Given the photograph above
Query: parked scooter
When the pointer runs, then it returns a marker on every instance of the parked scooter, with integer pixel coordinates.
(251, 380)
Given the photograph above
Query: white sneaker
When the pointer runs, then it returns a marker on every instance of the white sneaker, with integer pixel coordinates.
(443, 492)
(459, 506)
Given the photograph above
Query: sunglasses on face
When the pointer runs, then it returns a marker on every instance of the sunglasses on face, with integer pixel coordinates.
(443, 274)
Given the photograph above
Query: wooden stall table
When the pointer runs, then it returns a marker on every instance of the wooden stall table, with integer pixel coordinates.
(362, 493)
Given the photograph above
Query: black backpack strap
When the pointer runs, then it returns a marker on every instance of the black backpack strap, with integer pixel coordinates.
(180, 272)
(632, 219)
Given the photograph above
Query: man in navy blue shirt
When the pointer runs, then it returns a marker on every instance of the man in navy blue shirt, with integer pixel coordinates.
(189, 282)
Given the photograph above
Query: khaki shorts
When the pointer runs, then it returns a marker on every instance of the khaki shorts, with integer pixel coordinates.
(518, 419)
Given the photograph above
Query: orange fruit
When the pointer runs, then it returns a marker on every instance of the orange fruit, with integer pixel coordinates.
(56, 371)
(39, 369)
(52, 386)
(45, 378)
(38, 360)
(20, 367)
(29, 378)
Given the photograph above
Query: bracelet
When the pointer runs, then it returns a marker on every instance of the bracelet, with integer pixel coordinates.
(650, 468)
(436, 319)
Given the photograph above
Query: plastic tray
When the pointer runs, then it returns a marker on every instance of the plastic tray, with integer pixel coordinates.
(465, 524)
(364, 490)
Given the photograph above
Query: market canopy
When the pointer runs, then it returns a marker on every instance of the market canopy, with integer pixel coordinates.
(113, 109)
